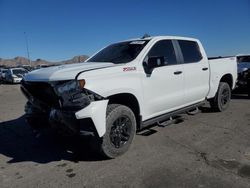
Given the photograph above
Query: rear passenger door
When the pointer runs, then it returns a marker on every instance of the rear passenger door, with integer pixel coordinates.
(196, 71)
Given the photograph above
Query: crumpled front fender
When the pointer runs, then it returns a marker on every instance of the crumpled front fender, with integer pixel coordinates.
(96, 110)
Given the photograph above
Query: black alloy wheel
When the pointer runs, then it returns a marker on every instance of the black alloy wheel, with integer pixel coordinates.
(120, 131)
(225, 97)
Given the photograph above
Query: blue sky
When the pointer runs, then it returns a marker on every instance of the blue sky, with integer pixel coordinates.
(59, 30)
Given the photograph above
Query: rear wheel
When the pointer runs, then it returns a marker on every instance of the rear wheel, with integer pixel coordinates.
(222, 98)
(120, 131)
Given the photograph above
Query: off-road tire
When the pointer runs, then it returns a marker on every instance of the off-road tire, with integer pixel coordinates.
(105, 145)
(222, 98)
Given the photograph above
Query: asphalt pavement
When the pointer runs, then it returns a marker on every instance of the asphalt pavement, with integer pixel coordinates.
(205, 150)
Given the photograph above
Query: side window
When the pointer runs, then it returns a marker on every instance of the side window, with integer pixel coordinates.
(190, 51)
(165, 50)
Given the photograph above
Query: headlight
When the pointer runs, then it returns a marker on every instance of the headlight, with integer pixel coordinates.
(70, 86)
(72, 94)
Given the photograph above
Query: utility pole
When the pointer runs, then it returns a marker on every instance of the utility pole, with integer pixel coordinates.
(27, 47)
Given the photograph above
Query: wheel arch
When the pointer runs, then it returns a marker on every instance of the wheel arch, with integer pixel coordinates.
(227, 78)
(216, 80)
(129, 100)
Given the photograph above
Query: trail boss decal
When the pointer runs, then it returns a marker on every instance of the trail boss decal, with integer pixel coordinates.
(125, 69)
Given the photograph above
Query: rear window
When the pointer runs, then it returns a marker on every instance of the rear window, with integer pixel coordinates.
(190, 51)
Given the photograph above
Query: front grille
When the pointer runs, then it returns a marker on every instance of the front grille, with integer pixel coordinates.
(41, 91)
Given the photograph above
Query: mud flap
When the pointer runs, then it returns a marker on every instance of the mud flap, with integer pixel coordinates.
(97, 112)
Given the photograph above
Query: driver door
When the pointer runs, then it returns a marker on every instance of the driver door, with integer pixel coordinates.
(163, 81)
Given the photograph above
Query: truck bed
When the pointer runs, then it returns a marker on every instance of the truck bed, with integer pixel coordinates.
(220, 66)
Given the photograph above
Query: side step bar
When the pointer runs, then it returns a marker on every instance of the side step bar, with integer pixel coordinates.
(171, 120)
(167, 116)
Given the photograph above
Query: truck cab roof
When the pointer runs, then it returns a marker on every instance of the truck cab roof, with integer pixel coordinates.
(164, 37)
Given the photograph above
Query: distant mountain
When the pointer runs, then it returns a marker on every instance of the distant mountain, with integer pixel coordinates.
(17, 61)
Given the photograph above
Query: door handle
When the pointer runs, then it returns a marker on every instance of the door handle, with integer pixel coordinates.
(205, 68)
(177, 72)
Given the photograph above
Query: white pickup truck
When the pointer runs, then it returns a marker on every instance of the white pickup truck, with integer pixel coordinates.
(127, 87)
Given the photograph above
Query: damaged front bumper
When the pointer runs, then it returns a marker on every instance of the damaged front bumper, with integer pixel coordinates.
(71, 122)
(71, 112)
(97, 112)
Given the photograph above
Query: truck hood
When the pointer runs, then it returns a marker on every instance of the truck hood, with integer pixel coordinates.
(63, 72)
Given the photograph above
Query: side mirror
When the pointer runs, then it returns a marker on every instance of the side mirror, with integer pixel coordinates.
(152, 63)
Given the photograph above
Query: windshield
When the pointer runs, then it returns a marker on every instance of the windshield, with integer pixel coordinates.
(122, 52)
(19, 71)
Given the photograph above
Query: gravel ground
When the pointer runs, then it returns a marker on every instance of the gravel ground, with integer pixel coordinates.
(205, 150)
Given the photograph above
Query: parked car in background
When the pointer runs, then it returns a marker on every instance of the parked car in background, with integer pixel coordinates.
(243, 82)
(27, 67)
(2, 74)
(42, 66)
(15, 75)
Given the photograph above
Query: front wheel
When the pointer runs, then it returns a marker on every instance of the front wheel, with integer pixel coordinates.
(120, 131)
(222, 98)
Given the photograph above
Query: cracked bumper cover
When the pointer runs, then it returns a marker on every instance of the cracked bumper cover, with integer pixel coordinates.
(96, 110)
(65, 109)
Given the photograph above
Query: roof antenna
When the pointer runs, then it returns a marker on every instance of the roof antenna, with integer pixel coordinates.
(145, 36)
